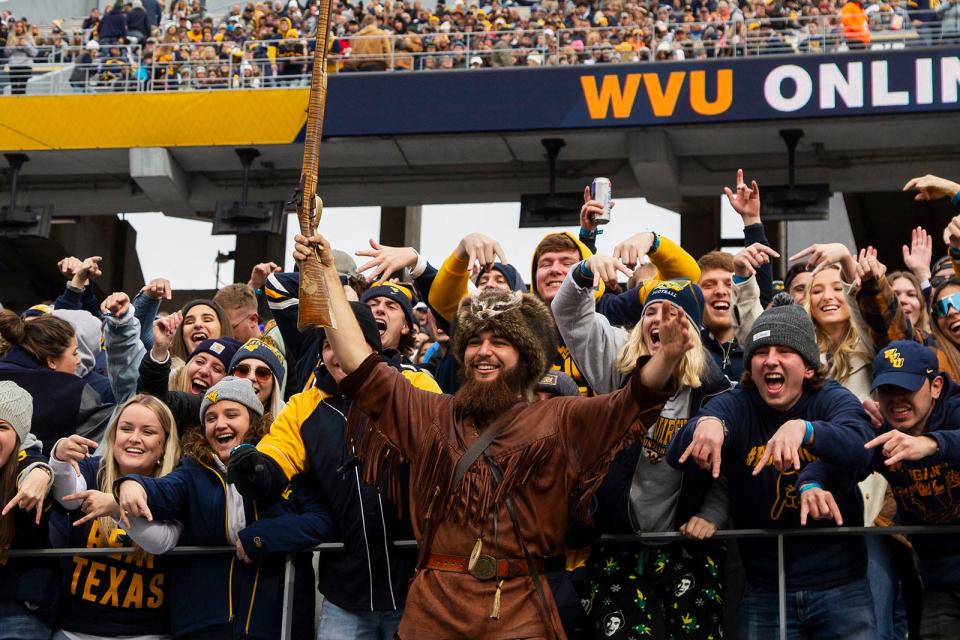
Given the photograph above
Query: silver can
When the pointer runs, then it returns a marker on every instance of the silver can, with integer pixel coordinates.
(601, 189)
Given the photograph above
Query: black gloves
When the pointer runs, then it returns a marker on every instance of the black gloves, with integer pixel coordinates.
(255, 475)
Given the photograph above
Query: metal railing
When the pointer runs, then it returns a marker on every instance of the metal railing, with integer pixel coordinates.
(290, 570)
(270, 64)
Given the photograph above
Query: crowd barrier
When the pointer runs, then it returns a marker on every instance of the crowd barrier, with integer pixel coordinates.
(779, 534)
(257, 64)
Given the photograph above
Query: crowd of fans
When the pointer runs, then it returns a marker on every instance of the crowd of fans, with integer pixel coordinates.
(825, 398)
(142, 43)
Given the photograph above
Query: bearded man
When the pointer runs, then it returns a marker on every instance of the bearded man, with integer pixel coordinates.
(491, 471)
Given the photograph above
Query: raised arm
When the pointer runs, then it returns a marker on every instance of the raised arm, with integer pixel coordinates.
(474, 251)
(125, 351)
(593, 342)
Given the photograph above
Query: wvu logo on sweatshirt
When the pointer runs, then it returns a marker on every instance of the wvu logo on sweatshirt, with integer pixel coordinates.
(930, 492)
(126, 581)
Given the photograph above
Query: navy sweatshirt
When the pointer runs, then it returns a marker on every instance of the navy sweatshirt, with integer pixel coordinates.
(770, 499)
(107, 595)
(211, 590)
(63, 403)
(927, 491)
(31, 580)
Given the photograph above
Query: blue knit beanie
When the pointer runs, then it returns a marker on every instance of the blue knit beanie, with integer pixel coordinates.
(681, 293)
(264, 351)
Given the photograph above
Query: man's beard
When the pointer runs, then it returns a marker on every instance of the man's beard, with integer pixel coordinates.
(486, 401)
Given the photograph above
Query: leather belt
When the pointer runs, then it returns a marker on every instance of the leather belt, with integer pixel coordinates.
(490, 568)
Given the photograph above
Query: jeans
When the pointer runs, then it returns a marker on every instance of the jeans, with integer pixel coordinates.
(941, 614)
(884, 579)
(18, 623)
(842, 613)
(337, 623)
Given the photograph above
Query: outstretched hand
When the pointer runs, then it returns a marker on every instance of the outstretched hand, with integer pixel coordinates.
(632, 250)
(260, 272)
(819, 505)
(116, 304)
(158, 289)
(605, 269)
(385, 260)
(164, 329)
(746, 201)
(869, 266)
(33, 490)
(898, 446)
(751, 258)
(930, 187)
(480, 251)
(706, 445)
(919, 254)
(783, 449)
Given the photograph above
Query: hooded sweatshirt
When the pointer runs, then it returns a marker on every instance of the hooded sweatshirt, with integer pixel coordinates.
(660, 498)
(89, 339)
(927, 491)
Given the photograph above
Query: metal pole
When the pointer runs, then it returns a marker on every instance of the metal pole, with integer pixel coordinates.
(781, 589)
(289, 575)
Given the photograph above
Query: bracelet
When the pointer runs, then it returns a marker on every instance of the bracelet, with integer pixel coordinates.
(809, 485)
(955, 200)
(954, 252)
(585, 270)
(740, 279)
(656, 243)
(808, 434)
(258, 291)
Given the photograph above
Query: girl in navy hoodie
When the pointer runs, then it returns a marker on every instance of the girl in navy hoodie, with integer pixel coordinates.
(29, 595)
(117, 595)
(220, 596)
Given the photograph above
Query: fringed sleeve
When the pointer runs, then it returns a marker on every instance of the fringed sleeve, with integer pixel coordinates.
(391, 422)
(595, 430)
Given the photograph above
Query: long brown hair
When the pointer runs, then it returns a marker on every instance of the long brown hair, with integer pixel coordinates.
(46, 337)
(195, 443)
(179, 347)
(924, 324)
(8, 489)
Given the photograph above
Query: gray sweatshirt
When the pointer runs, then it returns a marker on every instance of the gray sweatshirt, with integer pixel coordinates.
(594, 345)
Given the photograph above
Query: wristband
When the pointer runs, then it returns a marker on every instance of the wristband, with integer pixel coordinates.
(585, 270)
(740, 279)
(955, 200)
(258, 291)
(240, 446)
(808, 434)
(809, 485)
(656, 243)
(954, 252)
(586, 234)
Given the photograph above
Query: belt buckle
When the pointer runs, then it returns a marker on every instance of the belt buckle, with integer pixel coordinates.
(485, 568)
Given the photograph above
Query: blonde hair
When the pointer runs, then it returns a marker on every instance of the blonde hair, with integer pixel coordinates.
(692, 366)
(852, 344)
(109, 469)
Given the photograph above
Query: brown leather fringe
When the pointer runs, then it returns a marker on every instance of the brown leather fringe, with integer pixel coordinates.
(475, 498)
(381, 460)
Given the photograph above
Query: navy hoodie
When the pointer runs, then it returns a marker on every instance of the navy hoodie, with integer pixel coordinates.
(32, 580)
(217, 589)
(117, 595)
(63, 403)
(927, 491)
(770, 499)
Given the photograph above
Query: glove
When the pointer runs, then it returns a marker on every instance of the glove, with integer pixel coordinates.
(254, 474)
(244, 467)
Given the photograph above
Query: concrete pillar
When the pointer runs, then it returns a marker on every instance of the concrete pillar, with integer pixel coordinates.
(700, 224)
(162, 180)
(400, 226)
(254, 248)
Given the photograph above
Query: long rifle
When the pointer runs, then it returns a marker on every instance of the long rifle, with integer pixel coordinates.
(314, 309)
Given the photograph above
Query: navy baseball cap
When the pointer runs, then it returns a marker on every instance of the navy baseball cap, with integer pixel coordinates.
(905, 364)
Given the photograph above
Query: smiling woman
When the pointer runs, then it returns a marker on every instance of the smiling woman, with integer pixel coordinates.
(202, 320)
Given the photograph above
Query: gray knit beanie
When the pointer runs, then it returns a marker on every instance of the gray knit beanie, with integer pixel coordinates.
(16, 407)
(785, 326)
(231, 388)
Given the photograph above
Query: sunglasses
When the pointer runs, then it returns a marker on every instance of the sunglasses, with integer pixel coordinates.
(944, 304)
(263, 374)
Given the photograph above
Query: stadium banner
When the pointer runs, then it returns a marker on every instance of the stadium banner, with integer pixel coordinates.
(618, 95)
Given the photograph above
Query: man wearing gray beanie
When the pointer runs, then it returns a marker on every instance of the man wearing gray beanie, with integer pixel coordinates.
(784, 418)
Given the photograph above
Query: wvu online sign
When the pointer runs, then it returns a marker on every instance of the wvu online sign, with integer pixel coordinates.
(725, 90)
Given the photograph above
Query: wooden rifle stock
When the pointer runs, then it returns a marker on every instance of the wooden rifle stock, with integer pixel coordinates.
(314, 309)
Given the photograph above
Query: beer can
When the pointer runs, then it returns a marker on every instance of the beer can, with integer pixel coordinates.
(601, 189)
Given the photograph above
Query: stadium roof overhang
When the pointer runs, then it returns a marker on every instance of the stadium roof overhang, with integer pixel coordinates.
(663, 131)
